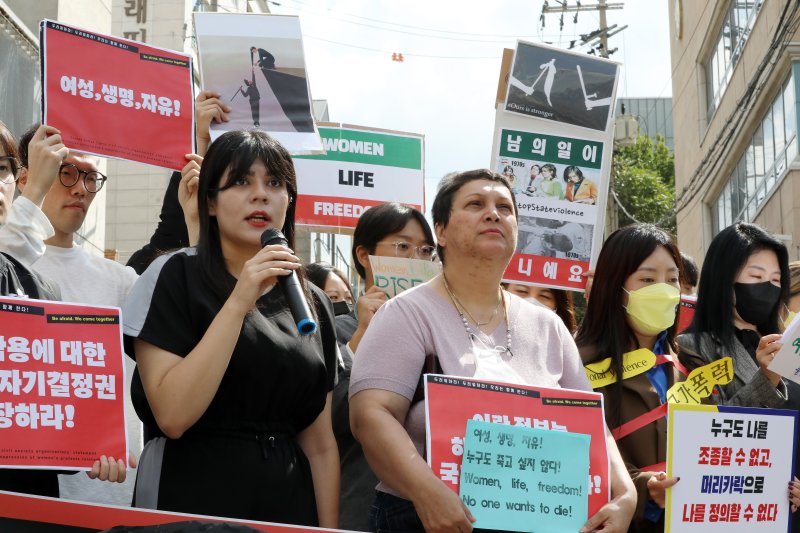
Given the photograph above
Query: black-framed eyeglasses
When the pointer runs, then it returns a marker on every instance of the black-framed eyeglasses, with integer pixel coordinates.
(8, 169)
(69, 175)
(405, 249)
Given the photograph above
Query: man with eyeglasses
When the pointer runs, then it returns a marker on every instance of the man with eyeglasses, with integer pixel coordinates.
(81, 277)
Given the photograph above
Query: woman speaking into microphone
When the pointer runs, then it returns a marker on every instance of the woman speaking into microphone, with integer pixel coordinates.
(238, 398)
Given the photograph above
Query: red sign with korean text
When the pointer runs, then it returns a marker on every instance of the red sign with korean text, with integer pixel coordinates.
(61, 384)
(117, 98)
(548, 271)
(451, 401)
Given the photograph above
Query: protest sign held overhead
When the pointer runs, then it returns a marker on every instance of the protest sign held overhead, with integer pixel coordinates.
(514, 477)
(61, 384)
(363, 167)
(452, 401)
(117, 98)
(555, 149)
(560, 86)
(733, 464)
(257, 63)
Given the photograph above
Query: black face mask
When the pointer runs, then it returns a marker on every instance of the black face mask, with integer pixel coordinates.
(341, 308)
(755, 301)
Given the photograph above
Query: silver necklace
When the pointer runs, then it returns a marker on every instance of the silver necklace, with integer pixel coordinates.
(476, 335)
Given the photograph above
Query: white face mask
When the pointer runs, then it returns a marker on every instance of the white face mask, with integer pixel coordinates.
(536, 302)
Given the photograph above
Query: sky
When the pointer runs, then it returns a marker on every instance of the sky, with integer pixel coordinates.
(445, 88)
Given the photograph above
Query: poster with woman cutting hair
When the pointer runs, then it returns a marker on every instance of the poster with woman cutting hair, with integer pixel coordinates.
(256, 62)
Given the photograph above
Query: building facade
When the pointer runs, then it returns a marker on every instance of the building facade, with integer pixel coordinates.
(736, 67)
(654, 116)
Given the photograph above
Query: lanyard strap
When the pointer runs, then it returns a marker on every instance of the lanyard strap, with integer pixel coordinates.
(658, 467)
(667, 358)
(623, 430)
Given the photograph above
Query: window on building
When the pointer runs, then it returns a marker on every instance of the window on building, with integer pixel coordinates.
(771, 150)
(736, 26)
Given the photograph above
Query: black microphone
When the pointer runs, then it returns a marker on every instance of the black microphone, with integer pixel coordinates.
(292, 290)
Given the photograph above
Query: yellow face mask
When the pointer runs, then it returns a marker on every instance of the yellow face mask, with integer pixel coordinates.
(652, 309)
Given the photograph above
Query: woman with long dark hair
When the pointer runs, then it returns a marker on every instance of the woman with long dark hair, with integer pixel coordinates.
(741, 298)
(744, 285)
(633, 305)
(238, 400)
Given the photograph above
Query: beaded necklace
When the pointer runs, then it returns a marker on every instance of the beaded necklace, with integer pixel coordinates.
(473, 335)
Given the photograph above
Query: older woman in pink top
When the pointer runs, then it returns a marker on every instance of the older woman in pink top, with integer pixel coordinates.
(460, 316)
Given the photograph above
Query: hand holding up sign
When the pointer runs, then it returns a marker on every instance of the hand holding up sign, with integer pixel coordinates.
(187, 196)
(368, 304)
(46, 152)
(657, 487)
(768, 347)
(208, 108)
(107, 469)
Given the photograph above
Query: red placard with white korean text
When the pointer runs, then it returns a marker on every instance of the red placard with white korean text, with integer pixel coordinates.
(118, 98)
(450, 401)
(61, 384)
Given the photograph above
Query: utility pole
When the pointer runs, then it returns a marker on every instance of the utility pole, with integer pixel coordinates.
(601, 35)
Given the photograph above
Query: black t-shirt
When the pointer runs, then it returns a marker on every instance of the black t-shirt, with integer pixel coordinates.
(276, 379)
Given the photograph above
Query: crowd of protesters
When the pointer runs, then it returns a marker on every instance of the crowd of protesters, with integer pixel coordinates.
(233, 413)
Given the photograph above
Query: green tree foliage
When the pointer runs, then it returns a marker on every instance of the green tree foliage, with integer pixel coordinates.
(644, 181)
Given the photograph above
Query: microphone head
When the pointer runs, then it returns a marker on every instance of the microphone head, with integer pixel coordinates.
(273, 236)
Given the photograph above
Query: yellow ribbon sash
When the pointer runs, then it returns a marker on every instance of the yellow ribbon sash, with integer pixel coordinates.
(700, 382)
(637, 362)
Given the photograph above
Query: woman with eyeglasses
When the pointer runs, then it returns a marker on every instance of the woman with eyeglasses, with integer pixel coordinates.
(386, 230)
(474, 328)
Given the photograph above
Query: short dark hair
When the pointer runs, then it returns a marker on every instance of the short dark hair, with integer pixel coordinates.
(726, 256)
(451, 184)
(9, 146)
(24, 141)
(382, 220)
(690, 270)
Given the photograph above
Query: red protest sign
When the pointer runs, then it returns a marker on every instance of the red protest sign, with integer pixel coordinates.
(117, 98)
(20, 512)
(451, 401)
(686, 311)
(61, 384)
(547, 271)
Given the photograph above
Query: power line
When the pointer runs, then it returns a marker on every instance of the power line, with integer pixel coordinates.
(503, 36)
(496, 56)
